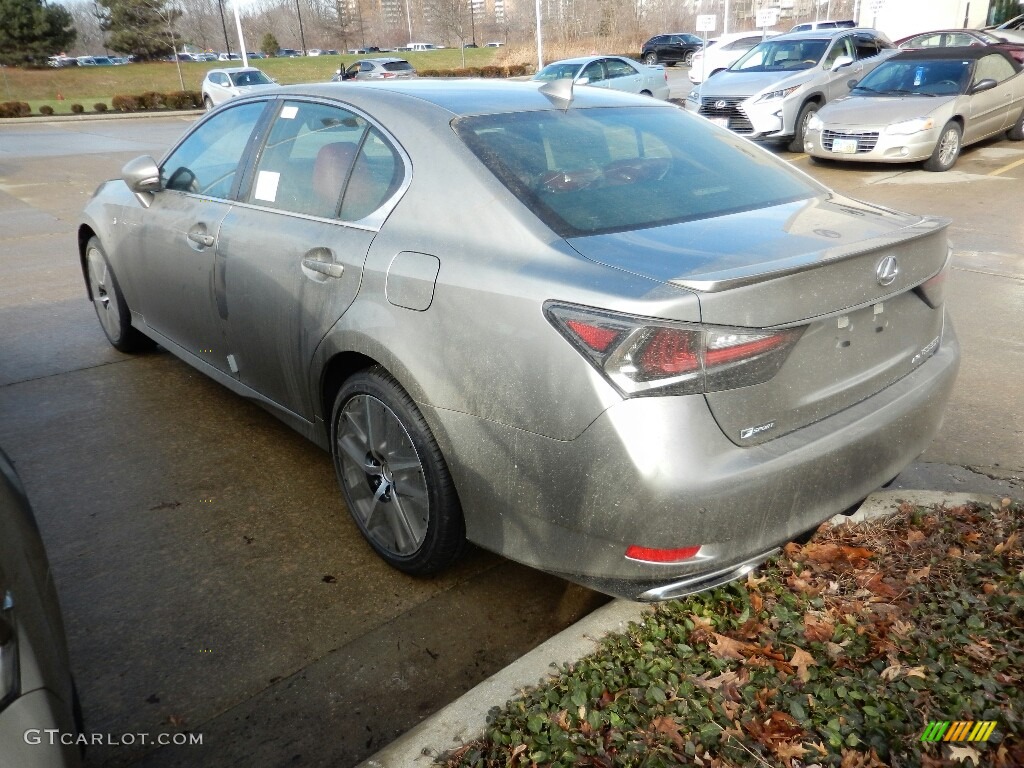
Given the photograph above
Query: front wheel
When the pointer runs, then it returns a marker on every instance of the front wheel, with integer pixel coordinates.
(208, 103)
(107, 299)
(688, 59)
(1017, 132)
(393, 476)
(651, 58)
(947, 148)
(806, 111)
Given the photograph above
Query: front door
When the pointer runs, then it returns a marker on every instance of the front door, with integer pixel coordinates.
(176, 237)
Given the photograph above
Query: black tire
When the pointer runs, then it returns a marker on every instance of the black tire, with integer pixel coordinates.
(208, 103)
(688, 59)
(808, 109)
(947, 148)
(396, 485)
(651, 58)
(108, 301)
(1017, 132)
(646, 93)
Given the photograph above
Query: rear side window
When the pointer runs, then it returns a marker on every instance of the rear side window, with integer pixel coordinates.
(592, 171)
(325, 161)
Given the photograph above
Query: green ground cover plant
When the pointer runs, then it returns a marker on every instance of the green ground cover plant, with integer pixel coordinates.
(838, 653)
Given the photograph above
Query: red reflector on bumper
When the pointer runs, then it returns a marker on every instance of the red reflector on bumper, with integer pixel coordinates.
(651, 555)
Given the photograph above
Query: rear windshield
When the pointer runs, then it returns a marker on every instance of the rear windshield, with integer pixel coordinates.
(397, 66)
(592, 171)
(782, 56)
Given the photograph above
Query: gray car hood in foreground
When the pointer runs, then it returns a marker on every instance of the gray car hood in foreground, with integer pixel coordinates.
(884, 110)
(729, 83)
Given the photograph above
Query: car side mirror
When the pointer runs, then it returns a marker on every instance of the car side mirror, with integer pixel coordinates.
(842, 61)
(142, 175)
(984, 85)
(582, 80)
(852, 83)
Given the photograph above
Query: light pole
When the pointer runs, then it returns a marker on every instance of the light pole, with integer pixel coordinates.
(224, 26)
(540, 39)
(302, 36)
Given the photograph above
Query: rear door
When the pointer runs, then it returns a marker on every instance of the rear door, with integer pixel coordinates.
(292, 251)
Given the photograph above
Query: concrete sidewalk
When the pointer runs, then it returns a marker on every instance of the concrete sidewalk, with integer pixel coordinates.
(466, 718)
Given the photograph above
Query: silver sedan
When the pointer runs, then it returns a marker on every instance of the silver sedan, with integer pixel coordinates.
(923, 105)
(615, 72)
(581, 328)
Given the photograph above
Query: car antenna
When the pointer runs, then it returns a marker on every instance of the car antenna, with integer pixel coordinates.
(559, 90)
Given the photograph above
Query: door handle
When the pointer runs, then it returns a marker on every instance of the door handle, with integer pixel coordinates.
(327, 268)
(201, 238)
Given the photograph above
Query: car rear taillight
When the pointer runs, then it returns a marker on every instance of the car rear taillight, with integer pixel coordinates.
(652, 555)
(647, 356)
(387, 75)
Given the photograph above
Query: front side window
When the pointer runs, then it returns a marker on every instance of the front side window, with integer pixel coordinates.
(867, 46)
(594, 72)
(322, 160)
(842, 47)
(206, 162)
(590, 171)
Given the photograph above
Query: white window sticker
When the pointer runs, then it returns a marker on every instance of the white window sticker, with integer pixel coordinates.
(289, 113)
(266, 186)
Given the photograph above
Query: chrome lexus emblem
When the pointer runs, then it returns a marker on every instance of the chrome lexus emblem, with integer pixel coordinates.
(721, 104)
(887, 270)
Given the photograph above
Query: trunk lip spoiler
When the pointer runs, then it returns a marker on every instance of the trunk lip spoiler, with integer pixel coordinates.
(716, 282)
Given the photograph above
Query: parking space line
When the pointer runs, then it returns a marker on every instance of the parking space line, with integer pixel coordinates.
(1006, 168)
(794, 158)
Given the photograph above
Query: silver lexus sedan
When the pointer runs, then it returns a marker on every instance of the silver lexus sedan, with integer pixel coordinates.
(580, 328)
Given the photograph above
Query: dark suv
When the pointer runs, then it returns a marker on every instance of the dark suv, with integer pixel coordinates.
(670, 49)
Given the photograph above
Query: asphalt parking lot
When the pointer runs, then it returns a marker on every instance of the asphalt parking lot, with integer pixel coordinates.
(210, 578)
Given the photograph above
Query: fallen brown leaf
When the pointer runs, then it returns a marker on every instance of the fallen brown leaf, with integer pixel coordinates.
(667, 726)
(817, 628)
(802, 660)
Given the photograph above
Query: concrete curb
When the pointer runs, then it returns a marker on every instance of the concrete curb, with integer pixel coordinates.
(466, 717)
(99, 116)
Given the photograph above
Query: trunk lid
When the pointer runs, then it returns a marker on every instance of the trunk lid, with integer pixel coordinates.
(824, 265)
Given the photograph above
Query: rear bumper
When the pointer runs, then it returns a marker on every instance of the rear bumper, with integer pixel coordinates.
(659, 472)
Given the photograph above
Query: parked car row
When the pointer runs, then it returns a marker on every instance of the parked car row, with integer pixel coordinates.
(921, 101)
(614, 72)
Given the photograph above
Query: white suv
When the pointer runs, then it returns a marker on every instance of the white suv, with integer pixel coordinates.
(771, 91)
(723, 51)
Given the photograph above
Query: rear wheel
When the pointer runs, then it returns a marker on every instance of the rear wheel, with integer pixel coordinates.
(806, 111)
(393, 476)
(108, 301)
(688, 59)
(646, 93)
(208, 103)
(651, 58)
(947, 148)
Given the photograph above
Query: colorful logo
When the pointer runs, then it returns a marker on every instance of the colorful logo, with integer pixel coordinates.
(958, 730)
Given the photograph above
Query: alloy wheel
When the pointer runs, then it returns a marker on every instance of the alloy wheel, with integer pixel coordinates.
(104, 297)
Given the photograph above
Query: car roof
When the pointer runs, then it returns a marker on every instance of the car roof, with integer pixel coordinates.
(945, 53)
(469, 97)
(954, 52)
(584, 59)
(383, 59)
(824, 34)
(230, 70)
